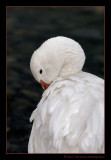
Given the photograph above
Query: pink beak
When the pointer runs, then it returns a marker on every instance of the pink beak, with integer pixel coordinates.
(44, 85)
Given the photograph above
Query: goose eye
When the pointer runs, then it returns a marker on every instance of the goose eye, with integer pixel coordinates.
(40, 71)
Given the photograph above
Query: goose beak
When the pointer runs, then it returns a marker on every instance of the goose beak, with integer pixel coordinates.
(44, 85)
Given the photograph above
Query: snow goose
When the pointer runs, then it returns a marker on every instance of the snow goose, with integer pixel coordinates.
(70, 116)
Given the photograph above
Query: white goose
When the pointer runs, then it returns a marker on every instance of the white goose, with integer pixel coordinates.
(70, 116)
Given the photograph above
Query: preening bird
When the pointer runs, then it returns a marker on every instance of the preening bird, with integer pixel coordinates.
(70, 115)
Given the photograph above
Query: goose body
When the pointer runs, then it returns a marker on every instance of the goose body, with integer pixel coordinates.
(70, 116)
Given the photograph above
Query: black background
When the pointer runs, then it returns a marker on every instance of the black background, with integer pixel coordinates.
(3, 79)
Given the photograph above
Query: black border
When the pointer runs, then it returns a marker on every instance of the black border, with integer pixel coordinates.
(12, 156)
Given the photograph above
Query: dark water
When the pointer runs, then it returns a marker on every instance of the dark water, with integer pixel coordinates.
(27, 28)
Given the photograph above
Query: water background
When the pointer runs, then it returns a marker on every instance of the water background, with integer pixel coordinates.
(27, 29)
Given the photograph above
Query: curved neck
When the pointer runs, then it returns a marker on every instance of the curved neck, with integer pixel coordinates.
(72, 64)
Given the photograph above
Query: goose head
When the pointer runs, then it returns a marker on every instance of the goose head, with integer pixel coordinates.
(57, 57)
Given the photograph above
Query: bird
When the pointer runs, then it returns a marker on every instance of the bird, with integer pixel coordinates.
(69, 118)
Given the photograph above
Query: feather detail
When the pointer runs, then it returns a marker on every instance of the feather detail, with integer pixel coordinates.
(70, 116)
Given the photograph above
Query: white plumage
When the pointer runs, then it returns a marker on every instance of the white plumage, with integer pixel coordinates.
(70, 116)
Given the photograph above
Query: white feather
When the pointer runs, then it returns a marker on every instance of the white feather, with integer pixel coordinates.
(70, 116)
